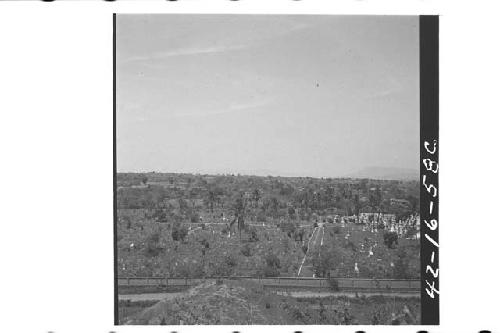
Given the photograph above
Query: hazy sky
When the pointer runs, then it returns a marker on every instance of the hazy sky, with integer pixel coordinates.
(319, 96)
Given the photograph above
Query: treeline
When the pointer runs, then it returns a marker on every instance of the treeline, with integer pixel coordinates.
(264, 197)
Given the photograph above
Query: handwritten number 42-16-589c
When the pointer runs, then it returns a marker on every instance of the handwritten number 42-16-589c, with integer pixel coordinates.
(432, 224)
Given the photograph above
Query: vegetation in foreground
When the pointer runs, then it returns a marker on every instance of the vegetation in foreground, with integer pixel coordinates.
(244, 303)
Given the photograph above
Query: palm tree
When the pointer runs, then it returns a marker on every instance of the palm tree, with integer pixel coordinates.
(256, 197)
(239, 212)
(212, 198)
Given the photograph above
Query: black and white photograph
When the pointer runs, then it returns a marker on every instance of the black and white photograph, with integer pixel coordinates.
(249, 166)
(267, 170)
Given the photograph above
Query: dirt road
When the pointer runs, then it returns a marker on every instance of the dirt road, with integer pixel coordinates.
(315, 241)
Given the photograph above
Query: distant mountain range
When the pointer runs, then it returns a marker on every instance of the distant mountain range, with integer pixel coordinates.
(384, 173)
(381, 173)
(257, 172)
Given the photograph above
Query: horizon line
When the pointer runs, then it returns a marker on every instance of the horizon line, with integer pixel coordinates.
(241, 174)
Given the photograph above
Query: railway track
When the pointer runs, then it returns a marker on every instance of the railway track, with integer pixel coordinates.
(288, 283)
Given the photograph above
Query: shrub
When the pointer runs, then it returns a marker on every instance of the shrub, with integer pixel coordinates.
(401, 266)
(390, 239)
(253, 234)
(336, 230)
(366, 271)
(220, 268)
(231, 261)
(271, 271)
(296, 313)
(205, 243)
(160, 216)
(179, 232)
(190, 270)
(272, 260)
(246, 250)
(152, 244)
(270, 267)
(299, 234)
(351, 246)
(194, 218)
(261, 217)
